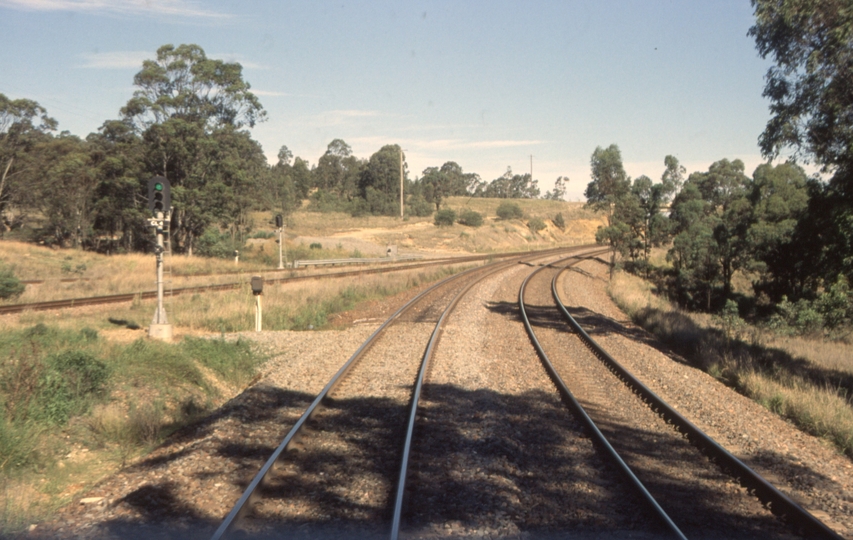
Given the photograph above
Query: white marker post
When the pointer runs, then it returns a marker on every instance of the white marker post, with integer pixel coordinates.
(257, 290)
(279, 222)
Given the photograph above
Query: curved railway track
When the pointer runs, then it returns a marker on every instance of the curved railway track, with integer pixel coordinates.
(688, 502)
(445, 424)
(147, 295)
(358, 388)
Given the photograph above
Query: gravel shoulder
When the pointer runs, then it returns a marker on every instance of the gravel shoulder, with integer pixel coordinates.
(806, 468)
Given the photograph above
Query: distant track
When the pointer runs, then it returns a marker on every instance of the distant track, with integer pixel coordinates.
(145, 295)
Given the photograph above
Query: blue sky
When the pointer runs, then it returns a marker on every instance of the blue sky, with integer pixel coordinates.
(484, 83)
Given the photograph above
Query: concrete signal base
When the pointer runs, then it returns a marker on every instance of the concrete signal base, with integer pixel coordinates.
(163, 332)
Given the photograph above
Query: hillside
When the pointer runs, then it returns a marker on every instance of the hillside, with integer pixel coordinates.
(371, 234)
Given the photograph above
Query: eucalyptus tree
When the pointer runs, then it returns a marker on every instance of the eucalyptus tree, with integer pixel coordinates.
(119, 202)
(811, 106)
(379, 184)
(186, 107)
(559, 193)
(609, 180)
(23, 125)
(711, 219)
(338, 171)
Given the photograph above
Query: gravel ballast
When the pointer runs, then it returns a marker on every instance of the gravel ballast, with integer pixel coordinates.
(806, 468)
(484, 464)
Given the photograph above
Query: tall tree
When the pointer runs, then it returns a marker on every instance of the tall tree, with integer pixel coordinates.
(281, 184)
(186, 108)
(23, 124)
(511, 186)
(338, 171)
(711, 217)
(559, 193)
(609, 180)
(119, 205)
(379, 184)
(609, 184)
(811, 106)
(436, 186)
(65, 190)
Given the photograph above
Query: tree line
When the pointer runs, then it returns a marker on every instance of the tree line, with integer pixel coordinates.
(790, 234)
(189, 120)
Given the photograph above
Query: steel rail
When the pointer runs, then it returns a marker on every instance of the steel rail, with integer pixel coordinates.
(416, 394)
(243, 504)
(779, 504)
(581, 414)
(129, 297)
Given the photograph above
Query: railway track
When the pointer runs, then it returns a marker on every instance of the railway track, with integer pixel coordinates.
(147, 295)
(445, 424)
(619, 410)
(371, 390)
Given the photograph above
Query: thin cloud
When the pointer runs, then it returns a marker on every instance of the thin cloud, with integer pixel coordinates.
(169, 8)
(499, 144)
(116, 59)
(134, 59)
(450, 144)
(231, 58)
(338, 117)
(268, 93)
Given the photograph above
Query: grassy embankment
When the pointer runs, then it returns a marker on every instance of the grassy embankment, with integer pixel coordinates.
(75, 406)
(419, 234)
(124, 393)
(809, 381)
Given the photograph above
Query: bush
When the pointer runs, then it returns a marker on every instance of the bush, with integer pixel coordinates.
(470, 218)
(419, 207)
(326, 201)
(445, 217)
(559, 222)
(67, 386)
(509, 210)
(830, 311)
(213, 243)
(535, 225)
(10, 286)
(315, 245)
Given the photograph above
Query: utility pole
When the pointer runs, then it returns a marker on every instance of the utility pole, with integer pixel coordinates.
(531, 168)
(401, 182)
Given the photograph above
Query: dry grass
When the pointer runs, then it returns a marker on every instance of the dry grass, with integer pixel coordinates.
(122, 274)
(807, 381)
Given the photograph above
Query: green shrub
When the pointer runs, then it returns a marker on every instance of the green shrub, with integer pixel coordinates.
(10, 286)
(559, 222)
(67, 386)
(509, 210)
(233, 361)
(535, 225)
(445, 217)
(326, 201)
(315, 245)
(213, 243)
(470, 218)
(419, 207)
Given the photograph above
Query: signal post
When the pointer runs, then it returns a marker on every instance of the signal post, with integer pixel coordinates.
(159, 202)
(279, 223)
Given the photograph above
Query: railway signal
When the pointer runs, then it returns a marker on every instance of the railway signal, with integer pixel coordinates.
(279, 224)
(159, 195)
(159, 202)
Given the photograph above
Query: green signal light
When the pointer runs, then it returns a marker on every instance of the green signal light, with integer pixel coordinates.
(158, 186)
